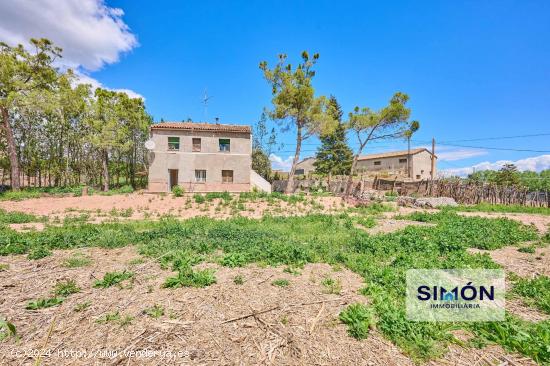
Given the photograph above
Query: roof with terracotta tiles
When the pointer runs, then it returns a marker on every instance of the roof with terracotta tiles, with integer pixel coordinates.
(192, 126)
(392, 154)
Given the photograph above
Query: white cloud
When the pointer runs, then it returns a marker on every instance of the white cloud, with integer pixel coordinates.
(278, 163)
(91, 33)
(535, 163)
(447, 153)
(85, 79)
(459, 154)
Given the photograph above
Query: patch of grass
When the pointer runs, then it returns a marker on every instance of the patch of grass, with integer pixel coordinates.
(487, 207)
(109, 317)
(7, 330)
(82, 306)
(191, 278)
(43, 303)
(527, 249)
(14, 217)
(281, 282)
(536, 291)
(292, 270)
(199, 198)
(39, 253)
(155, 311)
(66, 288)
(368, 222)
(126, 320)
(332, 286)
(77, 260)
(238, 280)
(113, 278)
(359, 319)
(233, 260)
(4, 267)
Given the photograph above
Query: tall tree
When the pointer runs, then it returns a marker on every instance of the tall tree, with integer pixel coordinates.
(21, 73)
(334, 155)
(295, 104)
(389, 122)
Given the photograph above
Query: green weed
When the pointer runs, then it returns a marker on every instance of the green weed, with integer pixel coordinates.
(43, 303)
(281, 282)
(66, 288)
(359, 319)
(113, 278)
(154, 312)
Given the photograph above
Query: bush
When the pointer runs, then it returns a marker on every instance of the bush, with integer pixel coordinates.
(190, 278)
(178, 191)
(43, 303)
(199, 198)
(359, 320)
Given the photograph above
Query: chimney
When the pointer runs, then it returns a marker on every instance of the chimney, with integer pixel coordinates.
(217, 120)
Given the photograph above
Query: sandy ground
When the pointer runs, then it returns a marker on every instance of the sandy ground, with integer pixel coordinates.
(523, 264)
(300, 326)
(140, 206)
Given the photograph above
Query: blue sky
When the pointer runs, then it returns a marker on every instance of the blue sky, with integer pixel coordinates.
(473, 69)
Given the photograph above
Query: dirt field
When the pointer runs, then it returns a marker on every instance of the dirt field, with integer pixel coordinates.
(141, 205)
(226, 323)
(294, 325)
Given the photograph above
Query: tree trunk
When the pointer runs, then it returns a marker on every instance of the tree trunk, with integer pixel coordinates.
(12, 152)
(105, 162)
(351, 172)
(290, 182)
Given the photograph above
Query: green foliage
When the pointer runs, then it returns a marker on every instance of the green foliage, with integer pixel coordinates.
(527, 249)
(77, 260)
(508, 175)
(359, 319)
(334, 155)
(82, 306)
(488, 207)
(66, 288)
(113, 278)
(233, 260)
(43, 303)
(14, 217)
(368, 222)
(261, 163)
(39, 253)
(536, 291)
(294, 100)
(226, 196)
(238, 280)
(281, 282)
(199, 198)
(191, 278)
(178, 191)
(7, 329)
(109, 317)
(155, 311)
(332, 286)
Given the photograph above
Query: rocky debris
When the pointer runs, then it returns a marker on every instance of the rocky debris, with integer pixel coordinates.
(426, 202)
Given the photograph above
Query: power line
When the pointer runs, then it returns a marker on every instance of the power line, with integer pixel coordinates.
(499, 138)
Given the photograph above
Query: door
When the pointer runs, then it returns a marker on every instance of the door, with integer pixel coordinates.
(173, 178)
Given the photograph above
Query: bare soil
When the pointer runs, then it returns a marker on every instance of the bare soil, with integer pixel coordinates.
(523, 264)
(140, 206)
(294, 325)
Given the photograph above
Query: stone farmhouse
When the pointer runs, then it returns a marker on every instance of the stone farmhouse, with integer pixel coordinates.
(202, 157)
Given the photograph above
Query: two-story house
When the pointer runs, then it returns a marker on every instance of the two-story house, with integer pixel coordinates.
(200, 157)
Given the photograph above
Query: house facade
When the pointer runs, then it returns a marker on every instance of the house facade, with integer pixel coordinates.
(397, 163)
(200, 157)
(305, 167)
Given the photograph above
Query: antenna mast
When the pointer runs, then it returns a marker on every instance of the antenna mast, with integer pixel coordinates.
(205, 100)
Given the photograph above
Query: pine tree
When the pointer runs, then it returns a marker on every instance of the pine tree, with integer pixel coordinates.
(334, 155)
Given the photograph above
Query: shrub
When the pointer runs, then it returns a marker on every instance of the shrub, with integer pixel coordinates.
(280, 283)
(190, 278)
(66, 288)
(113, 278)
(199, 198)
(178, 191)
(359, 319)
(43, 303)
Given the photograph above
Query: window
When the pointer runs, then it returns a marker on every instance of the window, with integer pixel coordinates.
(227, 176)
(377, 163)
(225, 145)
(173, 143)
(402, 161)
(299, 172)
(417, 176)
(200, 176)
(196, 145)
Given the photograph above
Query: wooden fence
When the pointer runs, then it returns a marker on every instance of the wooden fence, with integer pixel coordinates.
(461, 191)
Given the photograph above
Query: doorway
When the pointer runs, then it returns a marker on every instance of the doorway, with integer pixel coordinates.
(173, 178)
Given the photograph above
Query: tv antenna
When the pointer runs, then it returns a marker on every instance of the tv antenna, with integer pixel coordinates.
(205, 101)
